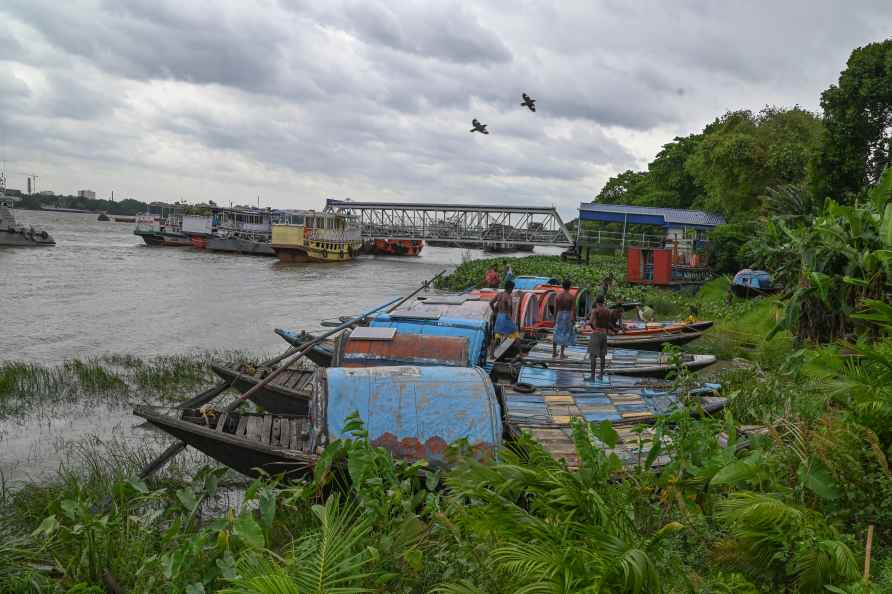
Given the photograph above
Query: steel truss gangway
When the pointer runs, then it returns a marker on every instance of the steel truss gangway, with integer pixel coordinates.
(459, 224)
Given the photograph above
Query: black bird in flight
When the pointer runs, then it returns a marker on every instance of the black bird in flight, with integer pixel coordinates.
(478, 127)
(528, 102)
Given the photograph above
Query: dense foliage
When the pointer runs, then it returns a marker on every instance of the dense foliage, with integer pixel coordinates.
(857, 142)
(728, 168)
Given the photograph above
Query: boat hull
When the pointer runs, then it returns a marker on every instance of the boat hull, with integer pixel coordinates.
(165, 239)
(745, 292)
(240, 246)
(244, 451)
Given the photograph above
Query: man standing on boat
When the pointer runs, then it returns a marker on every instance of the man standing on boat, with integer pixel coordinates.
(602, 324)
(564, 330)
(503, 306)
(491, 278)
(509, 273)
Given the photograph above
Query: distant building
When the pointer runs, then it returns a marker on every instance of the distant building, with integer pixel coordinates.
(46, 193)
(86, 194)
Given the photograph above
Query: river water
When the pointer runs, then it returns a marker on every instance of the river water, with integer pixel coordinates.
(101, 291)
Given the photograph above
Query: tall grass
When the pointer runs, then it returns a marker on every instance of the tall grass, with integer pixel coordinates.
(115, 378)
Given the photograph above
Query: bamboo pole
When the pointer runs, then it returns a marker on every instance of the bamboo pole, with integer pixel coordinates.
(867, 554)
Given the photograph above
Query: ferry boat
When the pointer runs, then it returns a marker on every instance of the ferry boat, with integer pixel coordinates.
(162, 225)
(14, 234)
(243, 231)
(310, 236)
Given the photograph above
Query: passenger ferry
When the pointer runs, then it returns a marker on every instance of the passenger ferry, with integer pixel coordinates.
(162, 225)
(310, 236)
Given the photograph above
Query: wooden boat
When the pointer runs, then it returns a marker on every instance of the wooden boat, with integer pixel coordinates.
(321, 354)
(570, 378)
(124, 219)
(289, 393)
(244, 442)
(619, 361)
(379, 346)
(415, 412)
(547, 416)
(103, 217)
(652, 341)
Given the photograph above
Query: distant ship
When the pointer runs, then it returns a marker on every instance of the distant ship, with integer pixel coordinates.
(12, 233)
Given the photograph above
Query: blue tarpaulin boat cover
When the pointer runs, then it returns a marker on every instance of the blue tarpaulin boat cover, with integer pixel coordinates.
(416, 412)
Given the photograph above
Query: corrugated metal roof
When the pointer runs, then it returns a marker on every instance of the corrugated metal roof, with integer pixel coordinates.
(670, 216)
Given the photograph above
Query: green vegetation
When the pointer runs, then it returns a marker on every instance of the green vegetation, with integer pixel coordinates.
(25, 386)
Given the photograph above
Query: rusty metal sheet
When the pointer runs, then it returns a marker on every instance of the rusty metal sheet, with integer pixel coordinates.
(404, 349)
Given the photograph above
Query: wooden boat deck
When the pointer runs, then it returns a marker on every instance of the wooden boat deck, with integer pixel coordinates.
(547, 415)
(288, 393)
(619, 361)
(243, 441)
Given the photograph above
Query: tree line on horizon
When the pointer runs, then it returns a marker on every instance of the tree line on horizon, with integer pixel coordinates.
(780, 162)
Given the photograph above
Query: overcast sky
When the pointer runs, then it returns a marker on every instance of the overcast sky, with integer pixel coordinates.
(296, 101)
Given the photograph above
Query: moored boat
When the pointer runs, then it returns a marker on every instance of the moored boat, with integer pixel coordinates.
(125, 219)
(753, 283)
(289, 393)
(619, 361)
(310, 236)
(396, 247)
(244, 231)
(162, 226)
(103, 217)
(414, 412)
(547, 416)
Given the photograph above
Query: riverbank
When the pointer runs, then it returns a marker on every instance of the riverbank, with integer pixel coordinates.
(789, 513)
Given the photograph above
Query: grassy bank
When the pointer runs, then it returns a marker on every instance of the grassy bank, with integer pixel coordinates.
(789, 513)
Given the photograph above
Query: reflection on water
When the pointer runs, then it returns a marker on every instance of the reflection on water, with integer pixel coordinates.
(100, 290)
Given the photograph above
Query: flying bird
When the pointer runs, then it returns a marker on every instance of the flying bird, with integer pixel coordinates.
(478, 127)
(528, 102)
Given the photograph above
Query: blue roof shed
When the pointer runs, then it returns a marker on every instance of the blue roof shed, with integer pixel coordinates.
(647, 215)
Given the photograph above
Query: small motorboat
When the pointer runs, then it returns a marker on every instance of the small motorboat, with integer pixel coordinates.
(103, 217)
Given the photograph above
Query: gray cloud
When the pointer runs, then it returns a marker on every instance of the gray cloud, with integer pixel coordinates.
(298, 100)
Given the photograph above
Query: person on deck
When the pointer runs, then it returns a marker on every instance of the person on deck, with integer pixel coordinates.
(509, 273)
(605, 286)
(491, 278)
(564, 329)
(503, 306)
(602, 325)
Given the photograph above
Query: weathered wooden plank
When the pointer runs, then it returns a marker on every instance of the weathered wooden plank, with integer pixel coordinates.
(242, 425)
(266, 429)
(285, 435)
(221, 421)
(254, 427)
(276, 432)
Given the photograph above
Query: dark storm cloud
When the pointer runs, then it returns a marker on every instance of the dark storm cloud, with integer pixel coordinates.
(374, 98)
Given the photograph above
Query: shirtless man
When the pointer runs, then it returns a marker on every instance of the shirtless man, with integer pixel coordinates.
(564, 330)
(601, 324)
(503, 306)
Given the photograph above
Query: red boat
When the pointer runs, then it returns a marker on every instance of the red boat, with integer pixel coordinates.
(398, 247)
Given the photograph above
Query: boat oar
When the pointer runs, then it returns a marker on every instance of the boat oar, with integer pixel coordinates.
(287, 360)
